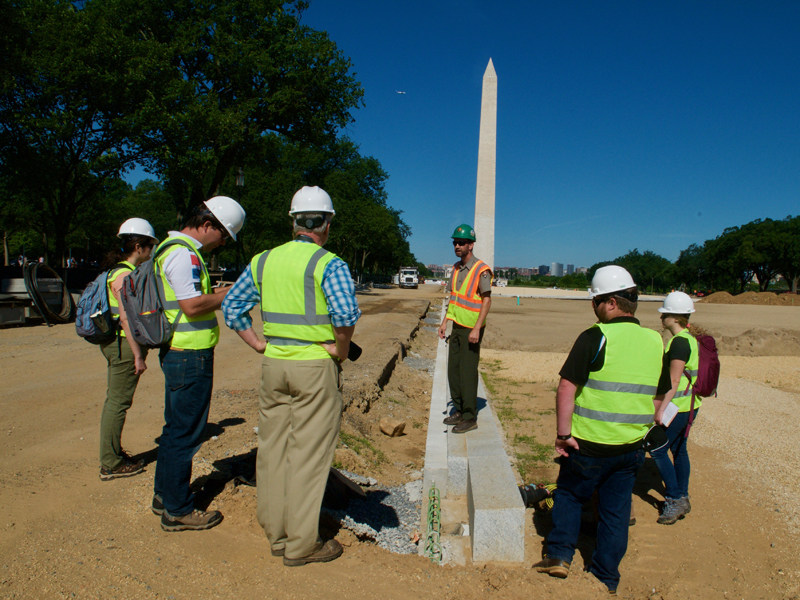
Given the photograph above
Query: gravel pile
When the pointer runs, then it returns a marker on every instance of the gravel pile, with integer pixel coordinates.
(755, 427)
(388, 515)
(432, 321)
(420, 364)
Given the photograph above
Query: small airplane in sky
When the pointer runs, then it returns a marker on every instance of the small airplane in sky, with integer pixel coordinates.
(399, 92)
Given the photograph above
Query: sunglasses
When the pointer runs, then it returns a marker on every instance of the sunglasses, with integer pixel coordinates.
(461, 242)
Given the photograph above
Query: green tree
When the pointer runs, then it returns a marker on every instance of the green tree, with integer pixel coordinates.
(228, 81)
(789, 255)
(68, 89)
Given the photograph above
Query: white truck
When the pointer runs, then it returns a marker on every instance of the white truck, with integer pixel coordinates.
(409, 277)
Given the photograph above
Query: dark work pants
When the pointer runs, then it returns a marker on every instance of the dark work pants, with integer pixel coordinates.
(462, 371)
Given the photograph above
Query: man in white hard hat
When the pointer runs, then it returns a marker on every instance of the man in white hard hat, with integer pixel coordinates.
(309, 310)
(188, 363)
(611, 385)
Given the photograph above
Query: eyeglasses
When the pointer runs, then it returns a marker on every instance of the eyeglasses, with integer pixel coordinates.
(224, 232)
(598, 301)
(461, 242)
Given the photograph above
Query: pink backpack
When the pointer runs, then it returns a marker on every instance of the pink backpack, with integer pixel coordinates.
(707, 373)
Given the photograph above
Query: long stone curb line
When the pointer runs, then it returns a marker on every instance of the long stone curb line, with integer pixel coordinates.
(475, 465)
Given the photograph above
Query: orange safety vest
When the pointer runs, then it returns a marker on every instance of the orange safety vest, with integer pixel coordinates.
(465, 302)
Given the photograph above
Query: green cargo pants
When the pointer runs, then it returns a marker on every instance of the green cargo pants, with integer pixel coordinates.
(122, 382)
(462, 371)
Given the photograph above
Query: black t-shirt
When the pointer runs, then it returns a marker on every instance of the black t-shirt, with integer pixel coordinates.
(679, 350)
(588, 356)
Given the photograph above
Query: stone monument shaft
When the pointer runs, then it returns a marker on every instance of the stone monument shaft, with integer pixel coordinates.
(487, 150)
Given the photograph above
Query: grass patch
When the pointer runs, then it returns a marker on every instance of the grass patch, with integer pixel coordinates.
(416, 425)
(536, 455)
(508, 413)
(360, 446)
(396, 401)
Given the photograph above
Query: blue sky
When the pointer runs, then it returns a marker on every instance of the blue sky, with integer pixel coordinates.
(621, 125)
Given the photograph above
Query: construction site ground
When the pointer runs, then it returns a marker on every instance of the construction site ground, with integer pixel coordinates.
(67, 534)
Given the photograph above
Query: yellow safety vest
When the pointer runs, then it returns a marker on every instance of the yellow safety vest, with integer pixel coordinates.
(615, 406)
(195, 333)
(113, 304)
(293, 305)
(465, 303)
(683, 397)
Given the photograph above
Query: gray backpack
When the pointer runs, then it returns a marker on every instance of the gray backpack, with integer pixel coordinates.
(142, 296)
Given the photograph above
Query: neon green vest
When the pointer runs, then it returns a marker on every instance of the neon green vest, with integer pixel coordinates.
(615, 406)
(196, 333)
(112, 300)
(683, 397)
(293, 305)
(465, 303)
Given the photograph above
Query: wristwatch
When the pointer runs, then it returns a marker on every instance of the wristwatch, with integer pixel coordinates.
(563, 437)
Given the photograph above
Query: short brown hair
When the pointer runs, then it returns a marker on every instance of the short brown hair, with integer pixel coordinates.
(682, 320)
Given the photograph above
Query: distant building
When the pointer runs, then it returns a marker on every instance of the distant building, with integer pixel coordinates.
(557, 269)
(570, 269)
(544, 270)
(583, 270)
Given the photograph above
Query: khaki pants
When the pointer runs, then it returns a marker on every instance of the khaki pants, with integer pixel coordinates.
(299, 420)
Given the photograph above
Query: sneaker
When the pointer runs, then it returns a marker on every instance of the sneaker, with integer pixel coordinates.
(686, 504)
(157, 506)
(277, 551)
(465, 425)
(331, 550)
(453, 419)
(195, 521)
(673, 511)
(553, 567)
(126, 469)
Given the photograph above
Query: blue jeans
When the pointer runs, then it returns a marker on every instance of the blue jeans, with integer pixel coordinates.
(675, 476)
(613, 478)
(188, 380)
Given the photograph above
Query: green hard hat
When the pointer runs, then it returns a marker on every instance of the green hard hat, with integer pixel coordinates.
(464, 232)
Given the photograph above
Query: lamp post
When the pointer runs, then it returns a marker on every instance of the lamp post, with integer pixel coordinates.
(239, 188)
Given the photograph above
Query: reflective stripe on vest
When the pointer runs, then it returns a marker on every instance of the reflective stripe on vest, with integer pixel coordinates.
(683, 397)
(191, 333)
(465, 303)
(293, 305)
(615, 406)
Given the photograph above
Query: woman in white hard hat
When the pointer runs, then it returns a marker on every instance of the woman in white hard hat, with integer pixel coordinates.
(681, 355)
(126, 361)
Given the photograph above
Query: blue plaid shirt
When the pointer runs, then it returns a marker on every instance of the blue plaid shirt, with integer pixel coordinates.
(337, 285)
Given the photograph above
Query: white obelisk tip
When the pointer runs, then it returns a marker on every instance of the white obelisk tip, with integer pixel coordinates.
(485, 189)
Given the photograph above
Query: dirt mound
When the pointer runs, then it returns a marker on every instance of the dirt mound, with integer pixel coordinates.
(760, 298)
(761, 342)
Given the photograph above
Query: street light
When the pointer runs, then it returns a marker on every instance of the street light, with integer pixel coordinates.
(240, 179)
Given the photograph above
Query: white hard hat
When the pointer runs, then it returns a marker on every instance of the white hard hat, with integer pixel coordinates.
(311, 199)
(228, 212)
(608, 280)
(136, 226)
(677, 303)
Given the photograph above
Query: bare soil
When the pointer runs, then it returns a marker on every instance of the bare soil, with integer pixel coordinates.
(67, 534)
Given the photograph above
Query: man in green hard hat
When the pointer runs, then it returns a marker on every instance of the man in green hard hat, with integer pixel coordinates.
(470, 300)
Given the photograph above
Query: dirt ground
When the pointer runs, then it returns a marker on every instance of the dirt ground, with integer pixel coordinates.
(67, 534)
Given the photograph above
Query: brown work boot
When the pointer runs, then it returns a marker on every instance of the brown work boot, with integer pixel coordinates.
(453, 419)
(553, 567)
(195, 521)
(126, 469)
(465, 425)
(331, 550)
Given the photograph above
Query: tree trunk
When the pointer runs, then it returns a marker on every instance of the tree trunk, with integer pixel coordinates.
(5, 247)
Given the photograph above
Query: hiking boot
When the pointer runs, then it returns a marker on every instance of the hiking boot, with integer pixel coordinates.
(277, 551)
(195, 521)
(673, 510)
(686, 504)
(453, 419)
(126, 469)
(330, 550)
(465, 425)
(553, 567)
(157, 506)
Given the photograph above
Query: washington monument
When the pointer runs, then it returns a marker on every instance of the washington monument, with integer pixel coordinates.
(485, 189)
